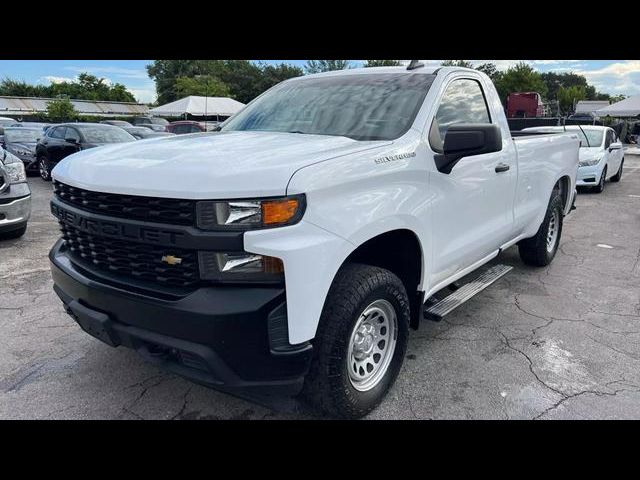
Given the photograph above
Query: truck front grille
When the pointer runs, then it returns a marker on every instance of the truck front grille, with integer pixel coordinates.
(133, 260)
(152, 209)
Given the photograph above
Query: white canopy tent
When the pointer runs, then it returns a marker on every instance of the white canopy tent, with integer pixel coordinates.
(199, 107)
(629, 107)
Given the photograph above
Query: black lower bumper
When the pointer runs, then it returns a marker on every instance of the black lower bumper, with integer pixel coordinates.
(222, 337)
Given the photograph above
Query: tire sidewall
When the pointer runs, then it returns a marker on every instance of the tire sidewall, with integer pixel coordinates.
(554, 204)
(603, 179)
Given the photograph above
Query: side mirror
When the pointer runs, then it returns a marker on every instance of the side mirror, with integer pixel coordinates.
(73, 140)
(466, 140)
(615, 146)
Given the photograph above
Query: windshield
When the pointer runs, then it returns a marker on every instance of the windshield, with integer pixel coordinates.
(360, 106)
(159, 121)
(106, 135)
(594, 137)
(22, 135)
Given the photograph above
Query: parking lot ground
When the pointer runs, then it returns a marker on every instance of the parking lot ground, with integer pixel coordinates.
(550, 343)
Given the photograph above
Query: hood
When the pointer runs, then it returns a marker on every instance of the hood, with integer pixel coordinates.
(21, 146)
(203, 165)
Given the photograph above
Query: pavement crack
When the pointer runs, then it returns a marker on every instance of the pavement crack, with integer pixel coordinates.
(185, 401)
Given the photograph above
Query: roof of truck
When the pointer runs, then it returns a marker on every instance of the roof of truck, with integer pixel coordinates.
(426, 70)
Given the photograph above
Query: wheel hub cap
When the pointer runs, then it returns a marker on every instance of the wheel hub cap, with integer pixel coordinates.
(372, 344)
(552, 231)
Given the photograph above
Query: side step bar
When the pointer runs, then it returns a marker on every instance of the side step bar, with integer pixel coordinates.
(437, 310)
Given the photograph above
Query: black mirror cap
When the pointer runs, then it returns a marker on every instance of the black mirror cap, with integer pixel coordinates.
(465, 140)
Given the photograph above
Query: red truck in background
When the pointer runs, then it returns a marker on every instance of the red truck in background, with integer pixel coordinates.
(524, 105)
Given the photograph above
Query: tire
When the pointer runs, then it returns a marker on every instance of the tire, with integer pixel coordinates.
(44, 168)
(600, 187)
(618, 176)
(339, 381)
(536, 251)
(13, 233)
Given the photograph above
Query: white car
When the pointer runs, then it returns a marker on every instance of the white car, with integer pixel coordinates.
(601, 154)
(294, 249)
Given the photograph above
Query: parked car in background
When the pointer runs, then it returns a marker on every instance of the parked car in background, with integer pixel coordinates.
(67, 138)
(582, 117)
(140, 133)
(117, 123)
(149, 121)
(21, 142)
(41, 125)
(601, 154)
(185, 126)
(154, 127)
(6, 121)
(524, 105)
(15, 196)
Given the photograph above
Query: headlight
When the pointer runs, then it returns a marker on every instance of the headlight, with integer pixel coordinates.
(589, 163)
(15, 169)
(240, 267)
(250, 214)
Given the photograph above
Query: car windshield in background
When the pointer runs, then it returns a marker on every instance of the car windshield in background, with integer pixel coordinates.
(22, 135)
(159, 121)
(362, 107)
(105, 135)
(594, 137)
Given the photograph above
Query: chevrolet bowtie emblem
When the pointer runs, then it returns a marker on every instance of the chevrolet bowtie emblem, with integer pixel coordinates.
(171, 260)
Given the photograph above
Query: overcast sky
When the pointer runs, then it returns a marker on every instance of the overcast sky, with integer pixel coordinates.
(609, 76)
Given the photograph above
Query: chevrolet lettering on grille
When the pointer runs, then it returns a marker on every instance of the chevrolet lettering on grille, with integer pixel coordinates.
(114, 229)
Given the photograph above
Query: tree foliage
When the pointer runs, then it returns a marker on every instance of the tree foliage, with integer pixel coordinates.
(243, 79)
(85, 87)
(382, 63)
(520, 78)
(203, 85)
(61, 110)
(319, 66)
(568, 97)
(457, 63)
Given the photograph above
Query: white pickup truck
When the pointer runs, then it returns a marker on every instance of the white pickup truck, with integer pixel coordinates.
(294, 249)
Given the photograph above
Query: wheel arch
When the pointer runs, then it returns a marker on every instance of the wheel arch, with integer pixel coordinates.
(407, 262)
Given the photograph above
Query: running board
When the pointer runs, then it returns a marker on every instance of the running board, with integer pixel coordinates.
(437, 310)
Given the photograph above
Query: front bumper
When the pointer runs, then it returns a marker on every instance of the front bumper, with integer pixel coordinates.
(226, 337)
(15, 207)
(589, 176)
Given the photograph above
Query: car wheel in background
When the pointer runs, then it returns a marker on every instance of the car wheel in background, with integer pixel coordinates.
(600, 187)
(618, 176)
(540, 249)
(17, 233)
(44, 168)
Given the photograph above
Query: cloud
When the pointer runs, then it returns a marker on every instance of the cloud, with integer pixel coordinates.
(617, 77)
(144, 94)
(54, 79)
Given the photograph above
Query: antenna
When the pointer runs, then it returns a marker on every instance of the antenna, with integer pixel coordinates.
(415, 64)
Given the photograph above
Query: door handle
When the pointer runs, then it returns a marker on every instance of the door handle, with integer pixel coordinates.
(502, 167)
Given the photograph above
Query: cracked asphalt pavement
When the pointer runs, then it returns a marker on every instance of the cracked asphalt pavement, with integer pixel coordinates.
(561, 342)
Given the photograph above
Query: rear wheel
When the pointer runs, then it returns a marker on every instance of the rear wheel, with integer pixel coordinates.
(540, 249)
(44, 168)
(361, 341)
(618, 176)
(600, 187)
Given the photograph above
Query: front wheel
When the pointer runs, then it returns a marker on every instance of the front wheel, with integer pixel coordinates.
(540, 249)
(44, 168)
(600, 187)
(361, 342)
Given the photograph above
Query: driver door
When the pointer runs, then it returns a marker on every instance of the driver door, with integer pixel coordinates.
(472, 215)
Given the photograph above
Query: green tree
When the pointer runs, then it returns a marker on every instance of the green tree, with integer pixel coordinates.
(519, 78)
(203, 85)
(490, 69)
(569, 96)
(456, 63)
(318, 66)
(382, 63)
(61, 110)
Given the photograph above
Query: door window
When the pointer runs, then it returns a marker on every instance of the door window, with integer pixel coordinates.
(59, 132)
(463, 102)
(72, 133)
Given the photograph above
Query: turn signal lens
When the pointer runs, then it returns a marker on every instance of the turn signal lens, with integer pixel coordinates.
(279, 211)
